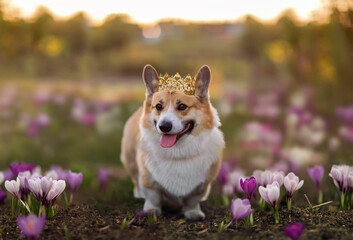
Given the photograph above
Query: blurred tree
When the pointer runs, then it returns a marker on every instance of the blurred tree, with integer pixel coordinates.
(115, 33)
(41, 26)
(76, 33)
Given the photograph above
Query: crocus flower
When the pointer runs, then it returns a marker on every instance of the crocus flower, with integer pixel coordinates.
(103, 175)
(345, 114)
(33, 129)
(277, 176)
(88, 119)
(34, 184)
(16, 168)
(239, 209)
(249, 186)
(294, 230)
(270, 194)
(228, 190)
(57, 188)
(339, 174)
(13, 187)
(46, 184)
(262, 177)
(234, 179)
(3, 196)
(316, 174)
(74, 180)
(8, 175)
(138, 215)
(350, 180)
(291, 183)
(52, 174)
(61, 173)
(223, 174)
(23, 177)
(31, 226)
(43, 120)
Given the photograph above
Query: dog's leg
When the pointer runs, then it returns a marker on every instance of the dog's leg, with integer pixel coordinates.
(192, 210)
(138, 193)
(152, 201)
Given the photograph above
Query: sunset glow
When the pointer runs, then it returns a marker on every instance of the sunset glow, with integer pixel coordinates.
(154, 10)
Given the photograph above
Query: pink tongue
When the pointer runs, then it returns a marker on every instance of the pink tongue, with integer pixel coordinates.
(168, 140)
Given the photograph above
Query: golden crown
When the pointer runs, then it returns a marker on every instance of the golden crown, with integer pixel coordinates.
(185, 85)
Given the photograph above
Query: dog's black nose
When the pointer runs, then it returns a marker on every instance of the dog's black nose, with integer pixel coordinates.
(165, 126)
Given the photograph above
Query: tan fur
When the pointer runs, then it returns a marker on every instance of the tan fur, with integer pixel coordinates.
(130, 139)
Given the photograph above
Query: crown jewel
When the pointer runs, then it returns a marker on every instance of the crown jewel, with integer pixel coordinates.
(185, 85)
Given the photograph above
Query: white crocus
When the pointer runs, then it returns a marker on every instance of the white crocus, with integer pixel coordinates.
(36, 187)
(23, 176)
(57, 188)
(52, 174)
(339, 174)
(292, 184)
(46, 184)
(13, 187)
(278, 176)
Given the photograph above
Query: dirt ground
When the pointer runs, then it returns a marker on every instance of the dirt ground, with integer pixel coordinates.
(97, 221)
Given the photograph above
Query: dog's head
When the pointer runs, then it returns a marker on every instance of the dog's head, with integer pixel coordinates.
(173, 115)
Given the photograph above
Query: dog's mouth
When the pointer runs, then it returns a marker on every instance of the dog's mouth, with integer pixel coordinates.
(169, 140)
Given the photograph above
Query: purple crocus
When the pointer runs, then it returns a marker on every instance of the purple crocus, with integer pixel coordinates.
(31, 226)
(103, 175)
(74, 180)
(294, 230)
(223, 174)
(240, 208)
(316, 174)
(139, 214)
(345, 114)
(3, 196)
(42, 119)
(16, 168)
(8, 175)
(292, 184)
(88, 119)
(24, 176)
(249, 186)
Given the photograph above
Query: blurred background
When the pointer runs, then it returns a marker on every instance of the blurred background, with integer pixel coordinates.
(282, 77)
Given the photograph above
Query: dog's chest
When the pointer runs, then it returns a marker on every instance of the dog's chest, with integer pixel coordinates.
(180, 177)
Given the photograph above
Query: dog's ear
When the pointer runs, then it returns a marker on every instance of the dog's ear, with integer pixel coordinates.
(150, 78)
(203, 79)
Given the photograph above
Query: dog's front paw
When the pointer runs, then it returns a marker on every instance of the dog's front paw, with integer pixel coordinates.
(194, 215)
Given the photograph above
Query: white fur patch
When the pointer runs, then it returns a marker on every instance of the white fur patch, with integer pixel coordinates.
(181, 168)
(171, 117)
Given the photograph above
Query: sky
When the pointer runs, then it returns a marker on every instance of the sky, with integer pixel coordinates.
(151, 11)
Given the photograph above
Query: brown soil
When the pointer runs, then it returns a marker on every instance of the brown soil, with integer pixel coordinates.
(97, 221)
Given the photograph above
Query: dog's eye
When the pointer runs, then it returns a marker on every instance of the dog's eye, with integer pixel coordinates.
(182, 107)
(159, 107)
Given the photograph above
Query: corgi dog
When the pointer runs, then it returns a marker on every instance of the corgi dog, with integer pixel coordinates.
(172, 145)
